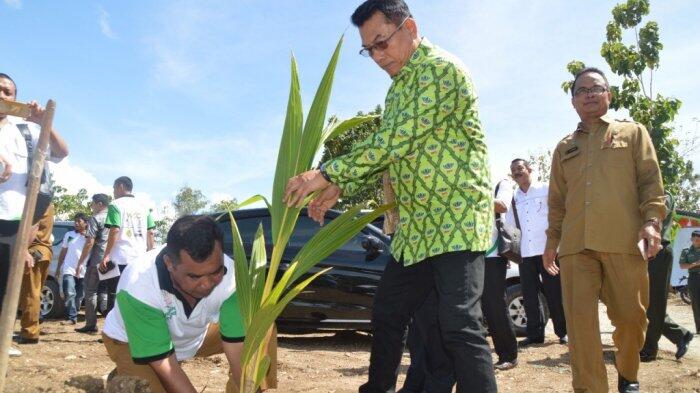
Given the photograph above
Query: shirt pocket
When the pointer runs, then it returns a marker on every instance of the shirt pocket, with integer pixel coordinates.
(617, 154)
(571, 161)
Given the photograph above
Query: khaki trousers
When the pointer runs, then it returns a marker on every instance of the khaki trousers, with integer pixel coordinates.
(30, 298)
(119, 353)
(622, 283)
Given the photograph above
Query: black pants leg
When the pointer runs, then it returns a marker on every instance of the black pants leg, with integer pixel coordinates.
(459, 281)
(551, 286)
(659, 322)
(415, 375)
(694, 291)
(401, 291)
(493, 303)
(530, 283)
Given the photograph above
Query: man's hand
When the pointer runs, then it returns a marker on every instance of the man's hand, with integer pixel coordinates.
(6, 170)
(36, 112)
(103, 264)
(499, 207)
(548, 262)
(28, 260)
(324, 201)
(652, 236)
(302, 185)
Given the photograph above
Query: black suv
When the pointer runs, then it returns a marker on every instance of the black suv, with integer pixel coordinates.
(341, 298)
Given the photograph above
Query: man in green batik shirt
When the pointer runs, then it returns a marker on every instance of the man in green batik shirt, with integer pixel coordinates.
(432, 144)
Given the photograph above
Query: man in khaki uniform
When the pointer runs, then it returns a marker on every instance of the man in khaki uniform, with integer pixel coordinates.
(605, 194)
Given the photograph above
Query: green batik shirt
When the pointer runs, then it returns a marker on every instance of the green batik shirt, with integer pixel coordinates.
(431, 141)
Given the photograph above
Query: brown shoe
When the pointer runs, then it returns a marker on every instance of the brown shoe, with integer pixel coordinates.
(503, 365)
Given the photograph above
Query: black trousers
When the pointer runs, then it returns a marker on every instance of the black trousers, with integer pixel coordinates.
(493, 303)
(694, 291)
(110, 285)
(534, 279)
(458, 279)
(659, 322)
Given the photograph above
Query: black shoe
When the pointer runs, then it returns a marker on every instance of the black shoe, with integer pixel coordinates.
(683, 345)
(625, 386)
(564, 340)
(530, 341)
(25, 340)
(503, 365)
(647, 355)
(86, 329)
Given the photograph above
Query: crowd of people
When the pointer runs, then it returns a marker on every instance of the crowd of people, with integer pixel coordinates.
(577, 243)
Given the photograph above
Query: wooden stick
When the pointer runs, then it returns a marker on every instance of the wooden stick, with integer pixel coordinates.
(13, 108)
(11, 299)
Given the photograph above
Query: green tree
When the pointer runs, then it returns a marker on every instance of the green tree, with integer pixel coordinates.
(224, 206)
(162, 226)
(189, 201)
(66, 205)
(371, 196)
(636, 64)
(541, 163)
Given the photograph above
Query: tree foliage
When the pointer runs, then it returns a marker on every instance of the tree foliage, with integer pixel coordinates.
(224, 206)
(66, 205)
(541, 163)
(189, 201)
(636, 64)
(370, 196)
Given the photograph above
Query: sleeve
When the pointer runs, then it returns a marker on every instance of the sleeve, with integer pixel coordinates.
(649, 184)
(505, 193)
(231, 321)
(92, 229)
(66, 240)
(684, 256)
(510, 215)
(394, 140)
(146, 329)
(556, 202)
(150, 224)
(114, 218)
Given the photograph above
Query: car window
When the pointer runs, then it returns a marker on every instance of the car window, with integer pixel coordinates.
(307, 228)
(58, 232)
(247, 228)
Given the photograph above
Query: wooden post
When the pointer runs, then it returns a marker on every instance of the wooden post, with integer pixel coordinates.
(14, 281)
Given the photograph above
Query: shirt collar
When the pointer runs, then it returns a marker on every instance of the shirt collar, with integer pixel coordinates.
(417, 58)
(605, 119)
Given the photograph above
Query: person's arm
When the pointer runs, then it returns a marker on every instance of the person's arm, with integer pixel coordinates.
(685, 264)
(111, 239)
(172, 376)
(85, 254)
(232, 334)
(650, 190)
(6, 169)
(58, 146)
(150, 236)
(113, 222)
(62, 255)
(556, 200)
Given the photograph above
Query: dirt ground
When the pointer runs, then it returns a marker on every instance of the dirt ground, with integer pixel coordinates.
(65, 361)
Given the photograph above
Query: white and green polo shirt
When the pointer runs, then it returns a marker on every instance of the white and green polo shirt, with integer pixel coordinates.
(155, 320)
(134, 221)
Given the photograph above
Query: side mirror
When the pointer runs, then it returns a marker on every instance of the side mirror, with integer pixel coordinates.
(373, 246)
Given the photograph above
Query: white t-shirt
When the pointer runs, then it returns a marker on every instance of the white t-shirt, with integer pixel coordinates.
(532, 213)
(73, 242)
(504, 194)
(14, 148)
(133, 221)
(152, 318)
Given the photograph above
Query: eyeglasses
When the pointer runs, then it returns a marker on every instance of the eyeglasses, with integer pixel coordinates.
(381, 45)
(595, 90)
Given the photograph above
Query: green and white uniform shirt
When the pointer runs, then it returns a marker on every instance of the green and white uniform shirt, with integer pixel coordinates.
(155, 320)
(133, 221)
(431, 141)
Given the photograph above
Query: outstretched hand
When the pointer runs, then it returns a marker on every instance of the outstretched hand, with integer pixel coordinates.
(324, 201)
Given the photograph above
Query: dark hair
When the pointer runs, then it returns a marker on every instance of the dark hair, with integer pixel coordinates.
(101, 198)
(196, 235)
(80, 216)
(526, 162)
(695, 234)
(126, 182)
(395, 11)
(5, 76)
(586, 71)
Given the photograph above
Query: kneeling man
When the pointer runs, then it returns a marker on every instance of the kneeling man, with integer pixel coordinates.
(176, 303)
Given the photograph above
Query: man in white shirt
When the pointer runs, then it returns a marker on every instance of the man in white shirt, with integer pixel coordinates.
(16, 154)
(72, 274)
(530, 215)
(493, 301)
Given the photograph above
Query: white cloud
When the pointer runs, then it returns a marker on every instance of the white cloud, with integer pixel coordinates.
(16, 4)
(105, 26)
(217, 197)
(73, 178)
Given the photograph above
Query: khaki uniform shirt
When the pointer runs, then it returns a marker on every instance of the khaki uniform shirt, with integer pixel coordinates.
(605, 183)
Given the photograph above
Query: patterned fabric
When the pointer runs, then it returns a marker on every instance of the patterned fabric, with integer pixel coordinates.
(690, 255)
(431, 142)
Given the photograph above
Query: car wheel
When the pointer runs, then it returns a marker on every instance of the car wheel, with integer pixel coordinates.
(51, 301)
(516, 308)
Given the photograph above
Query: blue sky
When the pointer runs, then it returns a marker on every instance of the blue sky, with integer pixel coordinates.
(174, 92)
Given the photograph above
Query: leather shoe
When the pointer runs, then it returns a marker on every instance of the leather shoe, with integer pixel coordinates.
(647, 355)
(86, 329)
(564, 340)
(625, 386)
(530, 341)
(503, 365)
(683, 345)
(25, 340)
